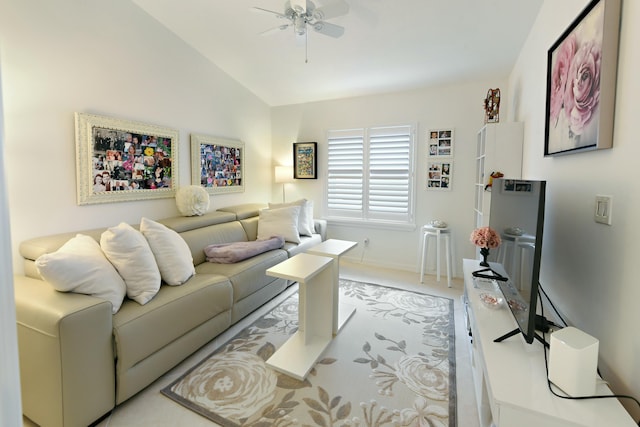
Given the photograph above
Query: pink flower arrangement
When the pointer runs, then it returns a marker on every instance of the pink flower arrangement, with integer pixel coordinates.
(485, 237)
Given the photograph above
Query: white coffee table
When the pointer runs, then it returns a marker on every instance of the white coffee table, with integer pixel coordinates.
(314, 275)
(334, 248)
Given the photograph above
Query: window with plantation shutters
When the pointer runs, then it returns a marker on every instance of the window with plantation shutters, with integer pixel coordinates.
(370, 174)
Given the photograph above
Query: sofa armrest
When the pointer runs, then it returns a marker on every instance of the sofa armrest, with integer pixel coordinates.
(67, 371)
(320, 227)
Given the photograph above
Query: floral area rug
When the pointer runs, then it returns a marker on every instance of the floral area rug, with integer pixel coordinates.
(391, 364)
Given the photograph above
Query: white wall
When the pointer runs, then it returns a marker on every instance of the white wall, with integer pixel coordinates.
(108, 58)
(457, 106)
(589, 269)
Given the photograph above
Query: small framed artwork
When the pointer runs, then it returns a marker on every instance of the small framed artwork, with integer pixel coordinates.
(517, 186)
(217, 164)
(439, 174)
(305, 160)
(440, 143)
(122, 160)
(581, 82)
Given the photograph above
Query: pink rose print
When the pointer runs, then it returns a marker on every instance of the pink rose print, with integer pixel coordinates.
(582, 94)
(559, 75)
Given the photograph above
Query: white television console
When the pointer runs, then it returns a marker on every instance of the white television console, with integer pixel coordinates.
(510, 378)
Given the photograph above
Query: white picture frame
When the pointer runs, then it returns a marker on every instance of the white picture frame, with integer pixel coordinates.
(136, 161)
(217, 164)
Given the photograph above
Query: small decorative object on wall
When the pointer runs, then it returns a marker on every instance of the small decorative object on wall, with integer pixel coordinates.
(495, 174)
(217, 164)
(439, 175)
(581, 81)
(441, 143)
(492, 106)
(305, 160)
(121, 160)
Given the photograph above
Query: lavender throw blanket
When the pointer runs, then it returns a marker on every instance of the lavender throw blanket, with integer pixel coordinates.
(228, 253)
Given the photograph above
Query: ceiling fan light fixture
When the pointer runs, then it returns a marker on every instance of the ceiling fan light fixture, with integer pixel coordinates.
(300, 25)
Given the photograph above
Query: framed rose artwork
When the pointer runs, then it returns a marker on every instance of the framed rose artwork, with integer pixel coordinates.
(581, 82)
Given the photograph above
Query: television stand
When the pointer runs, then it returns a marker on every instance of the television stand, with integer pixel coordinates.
(494, 275)
(510, 378)
(542, 325)
(516, 331)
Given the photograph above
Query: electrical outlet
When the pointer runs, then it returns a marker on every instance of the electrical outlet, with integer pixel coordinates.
(604, 205)
(366, 241)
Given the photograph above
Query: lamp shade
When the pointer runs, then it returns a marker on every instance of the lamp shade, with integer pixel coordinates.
(284, 174)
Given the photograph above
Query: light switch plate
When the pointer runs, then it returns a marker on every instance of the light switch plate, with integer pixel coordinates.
(604, 205)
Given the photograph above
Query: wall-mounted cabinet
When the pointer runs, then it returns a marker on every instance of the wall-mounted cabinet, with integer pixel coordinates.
(498, 149)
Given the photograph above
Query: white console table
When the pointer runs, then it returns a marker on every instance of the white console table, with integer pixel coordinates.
(334, 248)
(510, 378)
(314, 275)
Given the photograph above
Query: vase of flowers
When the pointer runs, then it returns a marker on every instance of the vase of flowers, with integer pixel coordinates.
(486, 238)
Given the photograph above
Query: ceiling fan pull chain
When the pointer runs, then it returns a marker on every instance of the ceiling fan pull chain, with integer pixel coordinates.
(306, 47)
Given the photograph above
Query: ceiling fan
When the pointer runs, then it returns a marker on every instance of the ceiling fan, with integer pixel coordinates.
(301, 14)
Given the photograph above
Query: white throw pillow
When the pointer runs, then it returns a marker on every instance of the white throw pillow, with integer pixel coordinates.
(171, 252)
(279, 222)
(80, 266)
(192, 200)
(306, 226)
(130, 254)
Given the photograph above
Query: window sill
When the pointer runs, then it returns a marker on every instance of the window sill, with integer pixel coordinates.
(376, 224)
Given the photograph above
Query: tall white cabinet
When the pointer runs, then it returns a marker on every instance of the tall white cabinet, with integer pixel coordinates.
(498, 149)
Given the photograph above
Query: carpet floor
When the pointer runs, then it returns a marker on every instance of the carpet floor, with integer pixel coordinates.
(393, 363)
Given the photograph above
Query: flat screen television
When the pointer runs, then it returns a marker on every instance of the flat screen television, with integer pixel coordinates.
(517, 213)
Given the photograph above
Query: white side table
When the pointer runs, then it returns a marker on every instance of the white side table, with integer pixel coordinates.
(334, 248)
(314, 275)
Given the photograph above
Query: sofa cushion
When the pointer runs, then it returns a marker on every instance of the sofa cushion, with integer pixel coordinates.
(80, 266)
(130, 254)
(171, 252)
(246, 276)
(141, 331)
(305, 219)
(279, 222)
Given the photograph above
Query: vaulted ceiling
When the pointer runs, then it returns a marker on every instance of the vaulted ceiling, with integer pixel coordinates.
(387, 46)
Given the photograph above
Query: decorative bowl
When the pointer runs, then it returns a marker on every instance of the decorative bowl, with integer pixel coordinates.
(491, 300)
(438, 224)
(514, 231)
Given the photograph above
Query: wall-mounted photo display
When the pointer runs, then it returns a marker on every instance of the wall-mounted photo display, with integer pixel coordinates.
(217, 164)
(121, 160)
(439, 175)
(517, 186)
(440, 142)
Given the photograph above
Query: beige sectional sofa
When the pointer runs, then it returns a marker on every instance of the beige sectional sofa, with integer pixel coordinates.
(78, 360)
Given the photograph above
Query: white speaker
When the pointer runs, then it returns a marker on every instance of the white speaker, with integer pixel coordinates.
(573, 361)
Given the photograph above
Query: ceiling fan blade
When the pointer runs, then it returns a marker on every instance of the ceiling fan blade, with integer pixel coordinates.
(331, 10)
(278, 14)
(328, 29)
(274, 30)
